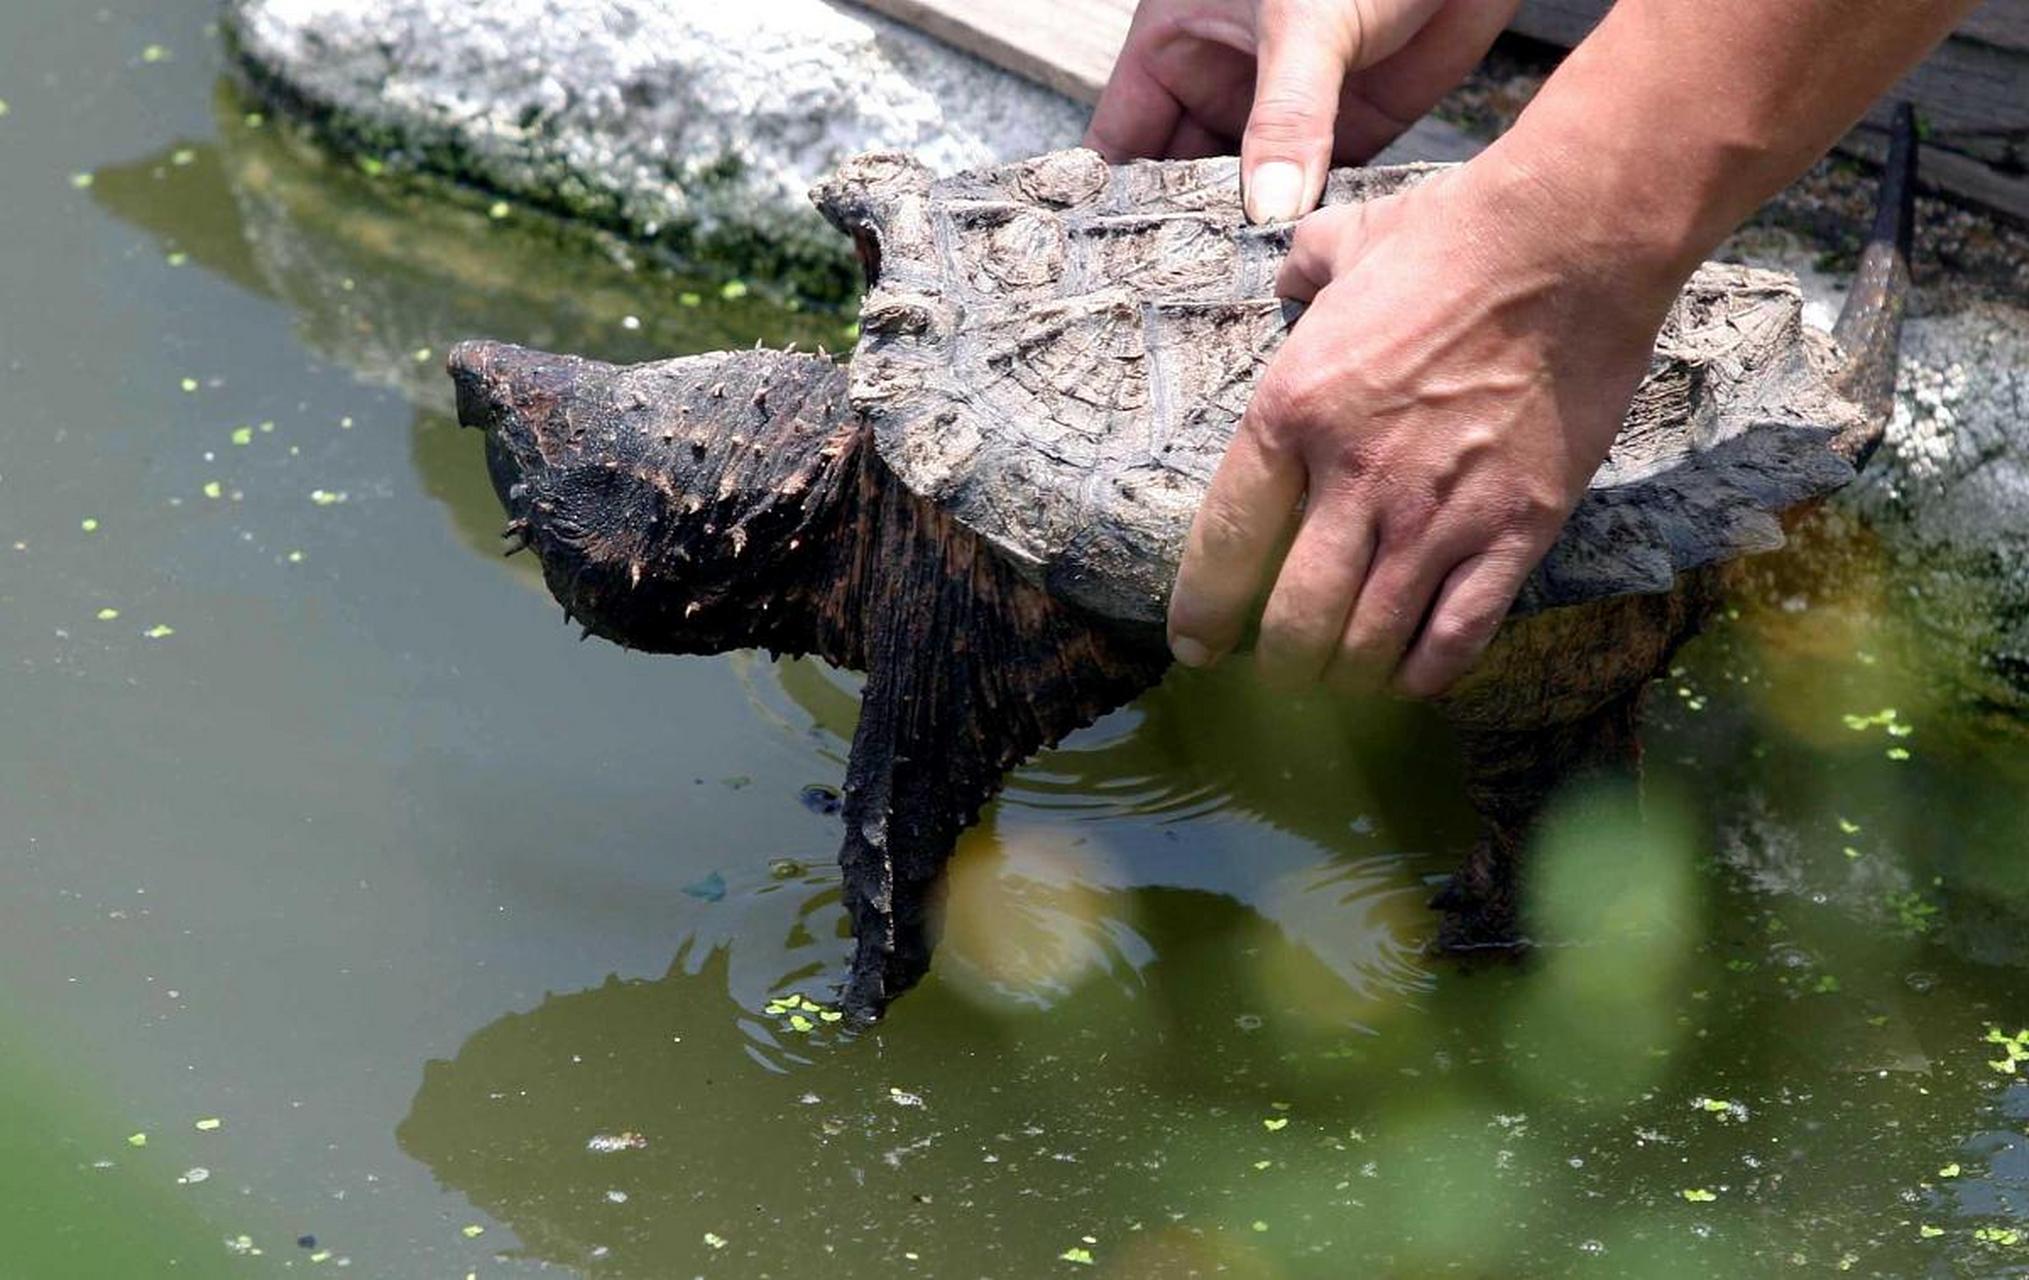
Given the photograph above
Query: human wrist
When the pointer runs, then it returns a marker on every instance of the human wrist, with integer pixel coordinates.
(1536, 213)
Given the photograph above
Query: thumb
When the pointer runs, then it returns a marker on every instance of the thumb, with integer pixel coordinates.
(1301, 52)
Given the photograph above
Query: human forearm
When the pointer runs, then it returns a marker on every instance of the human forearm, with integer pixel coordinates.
(1677, 118)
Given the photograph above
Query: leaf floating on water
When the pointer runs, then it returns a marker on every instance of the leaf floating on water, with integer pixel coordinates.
(159, 632)
(326, 497)
(209, 1123)
(733, 290)
(137, 1139)
(108, 614)
(903, 1098)
(500, 209)
(1276, 1124)
(1928, 1232)
(188, 384)
(1259, 1225)
(82, 181)
(88, 524)
(1849, 827)
(213, 489)
(1699, 1195)
(155, 53)
(800, 1023)
(688, 299)
(715, 1240)
(1951, 1170)
(1083, 1257)
(829, 1015)
(242, 435)
(177, 258)
(472, 1231)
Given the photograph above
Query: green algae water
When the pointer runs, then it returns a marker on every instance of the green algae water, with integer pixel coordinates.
(355, 916)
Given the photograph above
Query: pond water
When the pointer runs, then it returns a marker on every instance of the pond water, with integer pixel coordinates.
(354, 914)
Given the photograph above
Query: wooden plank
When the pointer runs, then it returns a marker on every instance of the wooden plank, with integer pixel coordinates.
(1068, 45)
(2000, 22)
(1951, 172)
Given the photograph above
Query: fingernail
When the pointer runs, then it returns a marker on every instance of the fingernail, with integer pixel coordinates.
(1275, 192)
(1190, 652)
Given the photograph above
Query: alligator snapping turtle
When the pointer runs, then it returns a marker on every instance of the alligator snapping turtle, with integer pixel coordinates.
(984, 513)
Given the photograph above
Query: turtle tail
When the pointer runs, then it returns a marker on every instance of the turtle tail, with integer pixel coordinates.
(1869, 330)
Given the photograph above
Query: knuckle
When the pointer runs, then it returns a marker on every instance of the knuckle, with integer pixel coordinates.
(1294, 402)
(1537, 507)
(1288, 114)
(1460, 633)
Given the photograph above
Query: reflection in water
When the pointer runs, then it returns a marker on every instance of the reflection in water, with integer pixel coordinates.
(1185, 1104)
(961, 1135)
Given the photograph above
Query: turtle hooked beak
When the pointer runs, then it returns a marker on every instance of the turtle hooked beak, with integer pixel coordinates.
(492, 380)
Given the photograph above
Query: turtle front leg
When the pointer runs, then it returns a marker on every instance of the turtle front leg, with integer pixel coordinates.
(971, 669)
(1511, 775)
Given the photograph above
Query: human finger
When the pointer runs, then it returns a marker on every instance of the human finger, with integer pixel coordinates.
(1287, 148)
(1469, 609)
(1314, 592)
(1231, 547)
(1136, 115)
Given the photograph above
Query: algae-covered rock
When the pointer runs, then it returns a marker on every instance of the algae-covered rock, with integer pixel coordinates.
(1950, 489)
(693, 124)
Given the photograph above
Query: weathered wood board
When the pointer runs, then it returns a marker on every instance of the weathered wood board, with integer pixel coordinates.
(1973, 92)
(1068, 45)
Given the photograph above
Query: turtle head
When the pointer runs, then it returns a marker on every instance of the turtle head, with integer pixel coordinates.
(687, 506)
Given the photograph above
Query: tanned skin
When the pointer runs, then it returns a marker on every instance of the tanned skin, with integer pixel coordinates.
(1471, 345)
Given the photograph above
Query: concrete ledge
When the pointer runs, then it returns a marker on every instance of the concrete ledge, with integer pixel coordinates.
(694, 125)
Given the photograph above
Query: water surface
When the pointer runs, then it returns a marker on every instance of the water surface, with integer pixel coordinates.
(318, 822)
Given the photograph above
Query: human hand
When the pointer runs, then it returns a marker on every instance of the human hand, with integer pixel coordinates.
(1469, 353)
(1294, 85)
